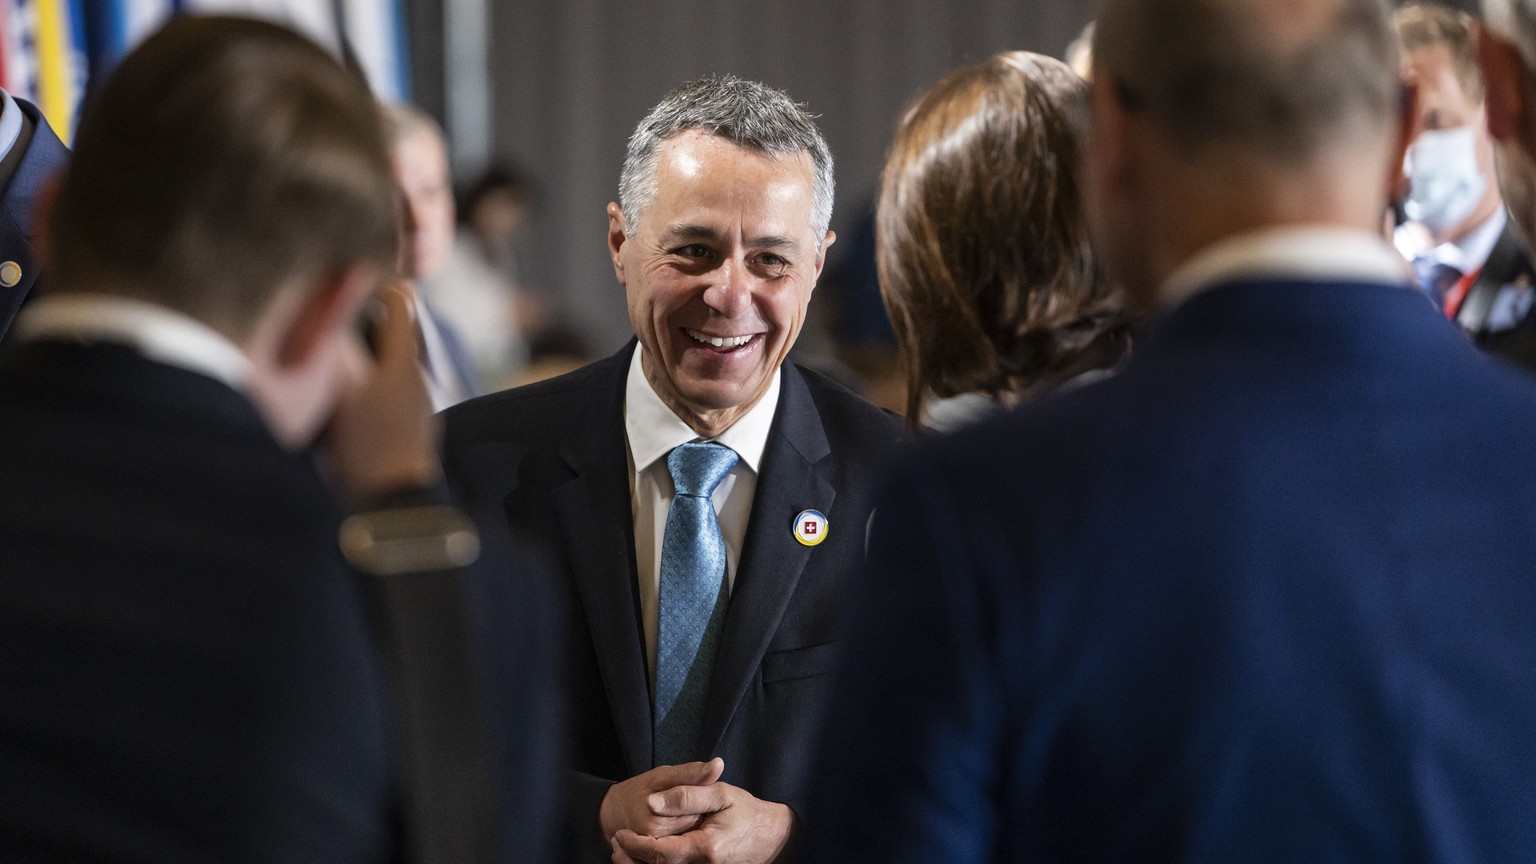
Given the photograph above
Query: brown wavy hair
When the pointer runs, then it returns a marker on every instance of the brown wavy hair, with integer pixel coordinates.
(983, 250)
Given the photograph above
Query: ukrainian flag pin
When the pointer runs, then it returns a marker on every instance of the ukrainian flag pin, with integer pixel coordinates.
(810, 527)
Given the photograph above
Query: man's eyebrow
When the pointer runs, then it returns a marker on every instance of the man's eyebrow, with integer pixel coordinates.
(775, 241)
(681, 233)
(686, 233)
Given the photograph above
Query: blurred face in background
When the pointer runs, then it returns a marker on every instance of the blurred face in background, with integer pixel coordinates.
(1449, 166)
(421, 168)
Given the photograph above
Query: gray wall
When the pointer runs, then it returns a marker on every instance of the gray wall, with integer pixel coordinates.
(571, 78)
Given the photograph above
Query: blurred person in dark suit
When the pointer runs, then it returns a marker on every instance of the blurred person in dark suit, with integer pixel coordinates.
(192, 672)
(1263, 595)
(1464, 249)
(708, 499)
(983, 250)
(30, 155)
(420, 159)
(1507, 53)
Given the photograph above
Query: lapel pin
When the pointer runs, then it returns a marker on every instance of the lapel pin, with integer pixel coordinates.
(810, 527)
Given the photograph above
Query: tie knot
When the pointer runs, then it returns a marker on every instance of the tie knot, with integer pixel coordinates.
(698, 467)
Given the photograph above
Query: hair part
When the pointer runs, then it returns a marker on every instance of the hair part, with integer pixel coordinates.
(1280, 80)
(746, 113)
(983, 252)
(224, 158)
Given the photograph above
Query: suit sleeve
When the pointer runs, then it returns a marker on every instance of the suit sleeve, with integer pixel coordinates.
(908, 769)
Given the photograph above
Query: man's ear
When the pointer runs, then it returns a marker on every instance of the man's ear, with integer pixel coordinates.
(616, 238)
(821, 255)
(327, 306)
(1109, 153)
(1503, 86)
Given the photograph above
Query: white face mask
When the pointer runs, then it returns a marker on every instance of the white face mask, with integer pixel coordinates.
(1446, 183)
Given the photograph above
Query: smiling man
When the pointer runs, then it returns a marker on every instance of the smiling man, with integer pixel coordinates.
(709, 500)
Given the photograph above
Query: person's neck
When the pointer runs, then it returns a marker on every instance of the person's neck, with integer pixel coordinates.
(1229, 204)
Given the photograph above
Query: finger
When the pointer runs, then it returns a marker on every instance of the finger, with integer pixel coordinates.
(688, 800)
(678, 849)
(687, 774)
(398, 345)
(619, 856)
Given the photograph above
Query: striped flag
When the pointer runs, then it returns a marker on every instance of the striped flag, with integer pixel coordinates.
(113, 27)
(58, 52)
(51, 50)
(375, 31)
(371, 32)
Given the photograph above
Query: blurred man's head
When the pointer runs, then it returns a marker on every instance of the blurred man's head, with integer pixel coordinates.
(233, 171)
(1507, 54)
(420, 160)
(1452, 188)
(726, 194)
(1270, 112)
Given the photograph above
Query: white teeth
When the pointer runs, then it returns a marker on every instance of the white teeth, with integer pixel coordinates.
(719, 341)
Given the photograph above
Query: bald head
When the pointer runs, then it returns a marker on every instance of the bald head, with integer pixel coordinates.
(1279, 79)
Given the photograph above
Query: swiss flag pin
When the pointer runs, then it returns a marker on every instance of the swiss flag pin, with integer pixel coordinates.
(810, 527)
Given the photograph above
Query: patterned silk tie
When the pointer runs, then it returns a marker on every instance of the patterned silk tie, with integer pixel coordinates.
(692, 600)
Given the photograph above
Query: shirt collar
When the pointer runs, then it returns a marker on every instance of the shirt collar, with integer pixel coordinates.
(654, 429)
(10, 123)
(158, 333)
(1304, 252)
(1471, 251)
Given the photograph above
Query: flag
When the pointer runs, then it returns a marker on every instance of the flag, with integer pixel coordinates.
(58, 40)
(375, 33)
(113, 27)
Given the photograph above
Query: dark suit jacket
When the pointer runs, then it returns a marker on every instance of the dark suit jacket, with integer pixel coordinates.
(188, 670)
(41, 157)
(554, 456)
(1509, 262)
(1267, 595)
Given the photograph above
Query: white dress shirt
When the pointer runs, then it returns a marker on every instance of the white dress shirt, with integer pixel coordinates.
(1466, 254)
(652, 430)
(158, 333)
(1302, 252)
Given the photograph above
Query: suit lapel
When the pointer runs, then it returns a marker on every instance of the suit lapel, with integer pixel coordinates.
(793, 479)
(597, 531)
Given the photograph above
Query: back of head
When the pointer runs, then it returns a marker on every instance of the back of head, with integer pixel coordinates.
(983, 248)
(1282, 80)
(746, 113)
(222, 159)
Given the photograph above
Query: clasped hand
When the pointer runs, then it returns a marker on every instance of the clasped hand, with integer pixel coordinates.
(680, 814)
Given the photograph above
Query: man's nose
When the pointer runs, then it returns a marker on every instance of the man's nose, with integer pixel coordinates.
(731, 293)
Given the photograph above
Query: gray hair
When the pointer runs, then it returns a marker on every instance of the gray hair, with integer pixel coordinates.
(1515, 21)
(1252, 75)
(747, 114)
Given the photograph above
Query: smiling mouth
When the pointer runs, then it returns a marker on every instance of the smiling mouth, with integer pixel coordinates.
(723, 344)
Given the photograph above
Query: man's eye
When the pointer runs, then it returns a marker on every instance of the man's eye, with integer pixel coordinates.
(692, 250)
(768, 259)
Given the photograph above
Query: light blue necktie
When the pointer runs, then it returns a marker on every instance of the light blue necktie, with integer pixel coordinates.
(692, 600)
